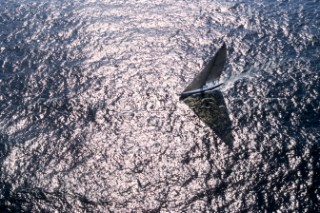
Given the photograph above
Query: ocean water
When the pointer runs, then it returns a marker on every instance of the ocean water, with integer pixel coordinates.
(90, 117)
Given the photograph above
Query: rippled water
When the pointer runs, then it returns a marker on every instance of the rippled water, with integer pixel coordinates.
(90, 117)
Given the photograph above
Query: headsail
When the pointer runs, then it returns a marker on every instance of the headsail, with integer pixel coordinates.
(209, 74)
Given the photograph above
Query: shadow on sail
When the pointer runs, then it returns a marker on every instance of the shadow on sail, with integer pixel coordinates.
(204, 98)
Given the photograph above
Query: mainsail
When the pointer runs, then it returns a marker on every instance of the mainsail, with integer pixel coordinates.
(208, 75)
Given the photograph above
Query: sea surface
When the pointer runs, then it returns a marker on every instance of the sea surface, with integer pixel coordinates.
(90, 117)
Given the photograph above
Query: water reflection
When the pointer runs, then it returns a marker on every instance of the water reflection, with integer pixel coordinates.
(212, 110)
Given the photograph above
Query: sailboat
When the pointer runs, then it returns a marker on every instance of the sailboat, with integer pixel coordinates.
(206, 80)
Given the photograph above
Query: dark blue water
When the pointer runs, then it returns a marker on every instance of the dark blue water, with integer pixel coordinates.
(90, 117)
